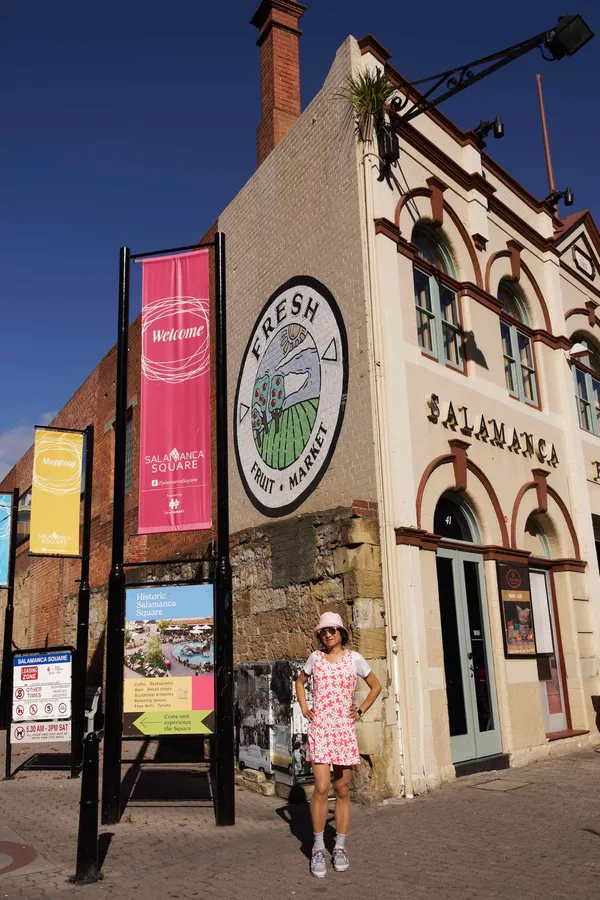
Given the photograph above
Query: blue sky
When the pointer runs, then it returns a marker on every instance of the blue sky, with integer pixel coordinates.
(134, 123)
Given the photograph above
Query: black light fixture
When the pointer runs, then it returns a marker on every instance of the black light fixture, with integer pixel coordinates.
(567, 196)
(388, 144)
(483, 129)
(568, 37)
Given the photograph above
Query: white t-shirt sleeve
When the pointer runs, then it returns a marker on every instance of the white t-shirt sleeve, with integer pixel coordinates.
(360, 665)
(310, 664)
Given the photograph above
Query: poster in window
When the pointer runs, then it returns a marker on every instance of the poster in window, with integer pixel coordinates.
(517, 612)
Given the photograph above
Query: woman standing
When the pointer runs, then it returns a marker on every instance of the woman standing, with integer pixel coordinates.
(332, 731)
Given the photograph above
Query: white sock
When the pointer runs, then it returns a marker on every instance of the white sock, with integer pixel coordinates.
(318, 842)
(340, 841)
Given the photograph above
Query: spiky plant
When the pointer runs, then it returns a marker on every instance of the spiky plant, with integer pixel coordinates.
(369, 93)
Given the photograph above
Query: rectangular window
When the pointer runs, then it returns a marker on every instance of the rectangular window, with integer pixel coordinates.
(583, 404)
(509, 360)
(450, 325)
(596, 393)
(425, 315)
(527, 368)
(587, 392)
(438, 323)
(519, 368)
(129, 450)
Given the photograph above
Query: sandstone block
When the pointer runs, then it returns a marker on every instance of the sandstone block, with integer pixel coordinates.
(267, 789)
(330, 589)
(368, 614)
(586, 645)
(361, 531)
(366, 556)
(370, 642)
(254, 776)
(370, 738)
(266, 600)
(359, 583)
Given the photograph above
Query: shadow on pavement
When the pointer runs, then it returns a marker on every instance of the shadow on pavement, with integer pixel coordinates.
(103, 844)
(162, 778)
(48, 761)
(297, 815)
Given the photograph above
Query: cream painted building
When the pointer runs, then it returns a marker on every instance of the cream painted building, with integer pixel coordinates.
(472, 422)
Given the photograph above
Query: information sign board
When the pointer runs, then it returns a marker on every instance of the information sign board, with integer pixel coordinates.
(42, 691)
(168, 684)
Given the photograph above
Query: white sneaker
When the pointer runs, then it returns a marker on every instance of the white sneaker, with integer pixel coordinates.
(340, 860)
(317, 864)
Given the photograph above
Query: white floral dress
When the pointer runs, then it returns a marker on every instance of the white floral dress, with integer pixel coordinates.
(332, 733)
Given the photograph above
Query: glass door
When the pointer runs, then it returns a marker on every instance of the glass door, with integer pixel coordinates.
(549, 667)
(470, 688)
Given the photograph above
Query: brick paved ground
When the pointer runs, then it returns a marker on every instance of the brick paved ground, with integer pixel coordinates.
(541, 840)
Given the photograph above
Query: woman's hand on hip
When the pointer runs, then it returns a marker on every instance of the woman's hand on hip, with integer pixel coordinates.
(353, 714)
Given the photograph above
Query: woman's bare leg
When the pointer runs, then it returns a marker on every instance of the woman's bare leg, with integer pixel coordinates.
(341, 784)
(319, 803)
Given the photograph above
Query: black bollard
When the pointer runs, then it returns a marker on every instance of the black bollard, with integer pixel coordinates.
(87, 837)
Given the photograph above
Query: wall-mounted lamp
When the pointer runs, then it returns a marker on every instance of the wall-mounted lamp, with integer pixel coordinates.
(483, 129)
(566, 195)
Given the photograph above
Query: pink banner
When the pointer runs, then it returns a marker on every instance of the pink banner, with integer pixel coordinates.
(175, 438)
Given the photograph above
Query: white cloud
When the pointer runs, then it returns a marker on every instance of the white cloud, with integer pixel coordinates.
(16, 441)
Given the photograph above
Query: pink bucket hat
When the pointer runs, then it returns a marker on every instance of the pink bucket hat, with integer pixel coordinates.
(330, 620)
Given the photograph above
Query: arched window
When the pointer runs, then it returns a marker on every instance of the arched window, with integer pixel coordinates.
(535, 538)
(587, 383)
(454, 519)
(519, 366)
(438, 322)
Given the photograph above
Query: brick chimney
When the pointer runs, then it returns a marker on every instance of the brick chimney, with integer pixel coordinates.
(277, 21)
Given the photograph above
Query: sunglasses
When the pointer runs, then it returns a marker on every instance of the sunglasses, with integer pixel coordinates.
(326, 631)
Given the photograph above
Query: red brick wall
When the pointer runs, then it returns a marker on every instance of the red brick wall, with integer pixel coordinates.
(279, 72)
(46, 588)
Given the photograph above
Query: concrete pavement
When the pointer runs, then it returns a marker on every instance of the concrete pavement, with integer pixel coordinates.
(530, 832)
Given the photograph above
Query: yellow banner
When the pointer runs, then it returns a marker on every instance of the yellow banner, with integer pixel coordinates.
(56, 492)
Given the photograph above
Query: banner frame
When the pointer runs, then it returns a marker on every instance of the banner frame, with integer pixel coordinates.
(222, 755)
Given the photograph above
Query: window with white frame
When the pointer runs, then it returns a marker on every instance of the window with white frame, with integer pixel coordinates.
(519, 365)
(438, 322)
(586, 372)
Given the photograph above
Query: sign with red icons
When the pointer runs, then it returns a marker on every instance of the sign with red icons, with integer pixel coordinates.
(42, 692)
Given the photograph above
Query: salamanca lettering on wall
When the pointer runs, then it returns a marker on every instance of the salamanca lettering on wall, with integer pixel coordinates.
(291, 396)
(459, 418)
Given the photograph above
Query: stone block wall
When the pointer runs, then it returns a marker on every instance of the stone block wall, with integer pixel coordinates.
(285, 575)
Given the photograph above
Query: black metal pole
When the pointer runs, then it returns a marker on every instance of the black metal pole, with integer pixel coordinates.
(115, 624)
(86, 868)
(8, 760)
(9, 616)
(224, 749)
(83, 611)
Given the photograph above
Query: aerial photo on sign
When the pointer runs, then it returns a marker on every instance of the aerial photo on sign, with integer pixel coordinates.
(168, 680)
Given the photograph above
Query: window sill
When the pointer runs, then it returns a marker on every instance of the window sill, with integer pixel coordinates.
(442, 362)
(567, 733)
